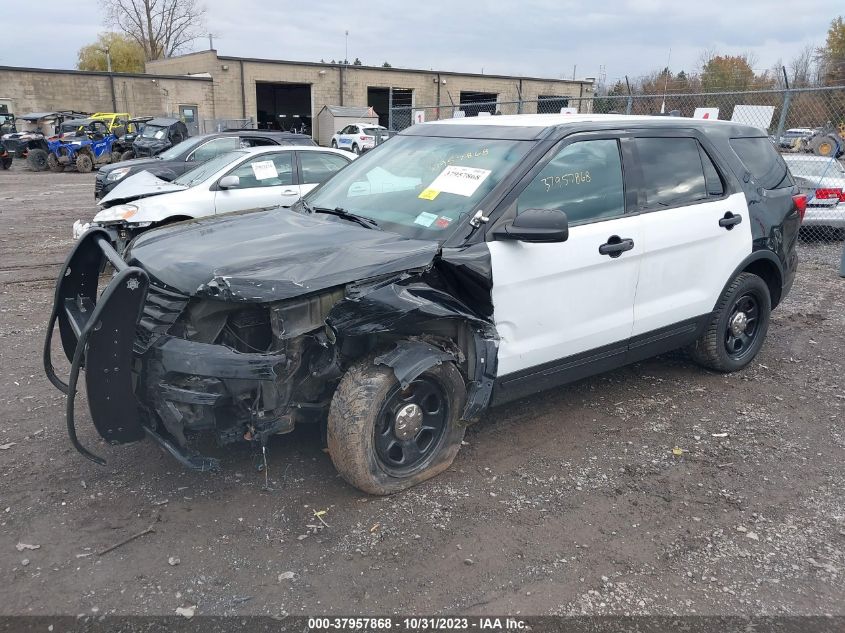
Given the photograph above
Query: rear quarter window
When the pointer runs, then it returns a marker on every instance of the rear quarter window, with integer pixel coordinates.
(762, 161)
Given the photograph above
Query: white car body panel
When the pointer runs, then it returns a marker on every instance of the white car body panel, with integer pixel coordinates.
(551, 301)
(686, 259)
(204, 199)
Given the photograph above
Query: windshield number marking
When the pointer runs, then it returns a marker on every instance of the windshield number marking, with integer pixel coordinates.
(564, 180)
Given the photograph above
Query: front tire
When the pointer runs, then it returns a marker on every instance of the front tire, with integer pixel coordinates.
(53, 164)
(334, 144)
(84, 164)
(738, 326)
(37, 159)
(127, 155)
(383, 439)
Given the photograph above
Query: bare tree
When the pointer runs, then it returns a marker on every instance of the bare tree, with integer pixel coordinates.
(161, 27)
(802, 67)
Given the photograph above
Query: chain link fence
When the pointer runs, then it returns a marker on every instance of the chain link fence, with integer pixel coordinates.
(807, 126)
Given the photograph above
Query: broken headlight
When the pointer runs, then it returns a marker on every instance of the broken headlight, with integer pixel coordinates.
(299, 316)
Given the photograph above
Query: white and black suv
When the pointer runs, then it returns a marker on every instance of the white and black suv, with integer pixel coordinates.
(464, 264)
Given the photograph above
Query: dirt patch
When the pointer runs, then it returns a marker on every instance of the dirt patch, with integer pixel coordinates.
(570, 502)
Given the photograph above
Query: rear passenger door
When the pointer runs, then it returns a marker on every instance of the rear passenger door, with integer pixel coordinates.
(696, 231)
(316, 167)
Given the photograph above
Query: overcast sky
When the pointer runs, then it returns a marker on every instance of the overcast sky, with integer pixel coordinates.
(526, 37)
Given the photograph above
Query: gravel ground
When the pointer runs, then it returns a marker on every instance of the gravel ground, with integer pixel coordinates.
(572, 502)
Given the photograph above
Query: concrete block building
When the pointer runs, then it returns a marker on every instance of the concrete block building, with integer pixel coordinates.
(205, 89)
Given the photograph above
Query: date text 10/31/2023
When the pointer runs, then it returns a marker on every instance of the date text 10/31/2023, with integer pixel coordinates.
(417, 623)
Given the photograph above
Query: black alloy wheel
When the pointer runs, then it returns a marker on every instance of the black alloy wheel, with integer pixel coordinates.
(410, 425)
(742, 326)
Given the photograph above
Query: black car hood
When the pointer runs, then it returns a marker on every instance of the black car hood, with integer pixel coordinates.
(271, 255)
(150, 146)
(152, 165)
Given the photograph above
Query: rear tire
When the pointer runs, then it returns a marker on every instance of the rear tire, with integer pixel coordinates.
(84, 164)
(368, 445)
(53, 164)
(824, 145)
(356, 150)
(5, 163)
(37, 159)
(737, 328)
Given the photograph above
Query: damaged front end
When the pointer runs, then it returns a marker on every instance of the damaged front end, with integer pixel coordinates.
(162, 364)
(244, 358)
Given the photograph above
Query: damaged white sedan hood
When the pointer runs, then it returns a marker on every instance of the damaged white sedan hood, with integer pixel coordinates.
(142, 185)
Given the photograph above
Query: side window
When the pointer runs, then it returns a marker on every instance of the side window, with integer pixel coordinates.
(266, 170)
(712, 179)
(255, 141)
(584, 180)
(318, 167)
(762, 161)
(672, 171)
(213, 148)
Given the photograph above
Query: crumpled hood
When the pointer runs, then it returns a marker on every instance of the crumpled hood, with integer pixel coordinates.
(141, 185)
(272, 255)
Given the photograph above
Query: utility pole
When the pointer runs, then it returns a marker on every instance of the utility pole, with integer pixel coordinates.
(107, 51)
(346, 49)
(211, 41)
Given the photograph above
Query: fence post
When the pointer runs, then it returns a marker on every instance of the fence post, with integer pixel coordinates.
(842, 264)
(630, 105)
(787, 99)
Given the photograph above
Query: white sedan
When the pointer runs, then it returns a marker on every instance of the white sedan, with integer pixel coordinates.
(249, 178)
(359, 137)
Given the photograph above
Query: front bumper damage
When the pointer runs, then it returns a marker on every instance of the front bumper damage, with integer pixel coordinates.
(141, 382)
(171, 366)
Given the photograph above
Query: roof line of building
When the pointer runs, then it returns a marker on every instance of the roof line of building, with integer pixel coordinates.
(101, 73)
(448, 73)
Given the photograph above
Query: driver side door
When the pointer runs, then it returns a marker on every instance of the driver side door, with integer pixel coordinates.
(566, 310)
(266, 180)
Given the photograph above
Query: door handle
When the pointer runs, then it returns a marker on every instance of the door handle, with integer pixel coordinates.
(616, 245)
(730, 220)
(289, 192)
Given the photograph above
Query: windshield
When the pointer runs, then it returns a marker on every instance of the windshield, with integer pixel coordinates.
(420, 186)
(198, 174)
(154, 131)
(816, 168)
(181, 148)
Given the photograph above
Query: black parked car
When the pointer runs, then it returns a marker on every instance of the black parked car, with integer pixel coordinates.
(158, 135)
(189, 153)
(461, 265)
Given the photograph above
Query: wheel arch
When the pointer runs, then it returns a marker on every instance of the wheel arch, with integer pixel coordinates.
(766, 265)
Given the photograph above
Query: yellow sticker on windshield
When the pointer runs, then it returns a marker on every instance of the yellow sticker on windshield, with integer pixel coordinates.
(428, 194)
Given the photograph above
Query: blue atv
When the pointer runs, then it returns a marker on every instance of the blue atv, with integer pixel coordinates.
(83, 143)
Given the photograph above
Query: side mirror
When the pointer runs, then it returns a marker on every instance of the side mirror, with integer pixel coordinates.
(535, 225)
(229, 182)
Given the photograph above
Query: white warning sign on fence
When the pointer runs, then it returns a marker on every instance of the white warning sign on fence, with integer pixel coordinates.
(755, 115)
(419, 116)
(706, 113)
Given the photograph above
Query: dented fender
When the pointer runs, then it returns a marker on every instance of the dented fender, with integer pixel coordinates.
(409, 359)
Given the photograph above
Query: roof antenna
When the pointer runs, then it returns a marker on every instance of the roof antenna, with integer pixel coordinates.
(666, 83)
